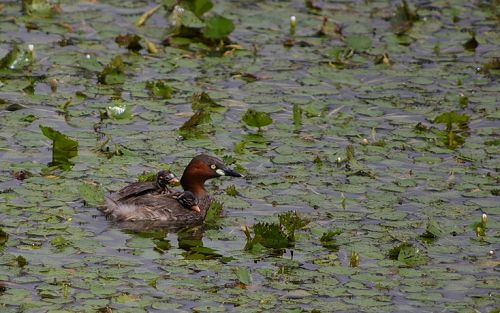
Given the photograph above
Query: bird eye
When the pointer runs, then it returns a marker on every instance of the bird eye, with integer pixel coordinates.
(213, 166)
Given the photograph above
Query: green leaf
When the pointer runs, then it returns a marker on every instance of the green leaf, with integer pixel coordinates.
(40, 8)
(408, 254)
(198, 7)
(189, 19)
(256, 119)
(403, 19)
(268, 235)
(433, 230)
(450, 118)
(471, 44)
(60, 242)
(17, 59)
(218, 27)
(159, 88)
(202, 101)
(243, 275)
(213, 213)
(231, 190)
(297, 115)
(91, 193)
(291, 221)
(3, 237)
(113, 73)
(129, 41)
(21, 261)
(359, 42)
(63, 148)
(198, 118)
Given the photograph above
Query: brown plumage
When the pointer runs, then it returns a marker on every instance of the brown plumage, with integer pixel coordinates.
(161, 209)
(160, 185)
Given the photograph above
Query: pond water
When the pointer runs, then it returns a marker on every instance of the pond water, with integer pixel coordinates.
(384, 133)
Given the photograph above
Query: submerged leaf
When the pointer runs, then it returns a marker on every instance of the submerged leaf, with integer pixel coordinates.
(63, 148)
(256, 119)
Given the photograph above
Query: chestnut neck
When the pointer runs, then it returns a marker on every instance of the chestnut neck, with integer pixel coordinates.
(194, 177)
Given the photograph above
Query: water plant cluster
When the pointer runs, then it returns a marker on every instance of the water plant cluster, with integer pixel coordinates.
(367, 132)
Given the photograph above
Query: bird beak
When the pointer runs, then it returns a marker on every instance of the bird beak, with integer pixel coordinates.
(174, 181)
(196, 208)
(229, 172)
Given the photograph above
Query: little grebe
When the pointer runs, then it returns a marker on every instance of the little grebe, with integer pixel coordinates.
(161, 208)
(160, 185)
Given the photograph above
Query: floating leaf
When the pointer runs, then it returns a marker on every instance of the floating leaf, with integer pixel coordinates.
(91, 193)
(218, 27)
(492, 67)
(113, 73)
(359, 42)
(297, 115)
(90, 63)
(60, 242)
(159, 88)
(244, 276)
(256, 119)
(63, 148)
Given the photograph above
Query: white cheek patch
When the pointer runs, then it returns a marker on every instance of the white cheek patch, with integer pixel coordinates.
(220, 172)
